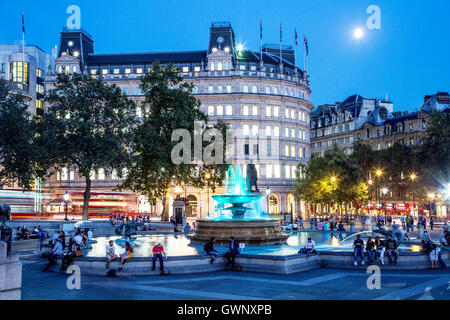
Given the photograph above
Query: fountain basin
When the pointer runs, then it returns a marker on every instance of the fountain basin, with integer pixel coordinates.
(255, 232)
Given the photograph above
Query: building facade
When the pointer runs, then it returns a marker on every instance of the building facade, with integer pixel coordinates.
(263, 98)
(336, 123)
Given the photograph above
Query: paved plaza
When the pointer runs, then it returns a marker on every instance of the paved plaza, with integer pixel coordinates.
(321, 284)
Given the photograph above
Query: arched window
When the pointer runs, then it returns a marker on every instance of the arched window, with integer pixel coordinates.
(274, 204)
(290, 204)
(245, 88)
(254, 89)
(268, 90)
(275, 90)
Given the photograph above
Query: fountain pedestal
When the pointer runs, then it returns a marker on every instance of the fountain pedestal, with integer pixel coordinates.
(256, 232)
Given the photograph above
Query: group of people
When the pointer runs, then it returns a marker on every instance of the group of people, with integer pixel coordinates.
(77, 242)
(433, 251)
(120, 218)
(230, 255)
(375, 248)
(24, 233)
(327, 225)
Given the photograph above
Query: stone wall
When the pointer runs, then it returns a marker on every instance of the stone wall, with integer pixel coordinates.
(10, 275)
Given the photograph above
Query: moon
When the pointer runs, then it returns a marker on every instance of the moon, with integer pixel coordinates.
(358, 33)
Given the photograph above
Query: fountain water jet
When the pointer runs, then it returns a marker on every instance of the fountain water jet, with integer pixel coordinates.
(246, 223)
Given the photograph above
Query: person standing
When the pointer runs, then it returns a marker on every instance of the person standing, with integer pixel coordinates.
(233, 251)
(300, 223)
(42, 235)
(358, 249)
(431, 223)
(159, 253)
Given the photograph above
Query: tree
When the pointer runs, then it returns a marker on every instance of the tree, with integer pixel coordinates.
(86, 126)
(170, 107)
(335, 178)
(433, 155)
(16, 139)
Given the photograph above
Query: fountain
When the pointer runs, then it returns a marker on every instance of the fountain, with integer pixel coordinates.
(239, 215)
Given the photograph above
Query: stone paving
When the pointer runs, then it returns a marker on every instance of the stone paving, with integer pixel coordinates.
(322, 284)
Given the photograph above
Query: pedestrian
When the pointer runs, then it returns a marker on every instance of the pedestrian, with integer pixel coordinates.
(110, 253)
(431, 223)
(233, 251)
(391, 250)
(187, 229)
(42, 235)
(159, 253)
(56, 252)
(209, 250)
(358, 250)
(370, 249)
(300, 223)
(379, 247)
(125, 256)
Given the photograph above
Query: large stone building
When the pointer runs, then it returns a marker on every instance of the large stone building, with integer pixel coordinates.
(336, 123)
(266, 101)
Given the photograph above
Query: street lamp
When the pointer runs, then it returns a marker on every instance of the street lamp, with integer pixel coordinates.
(384, 190)
(333, 179)
(178, 191)
(431, 197)
(207, 177)
(66, 197)
(413, 177)
(379, 173)
(267, 193)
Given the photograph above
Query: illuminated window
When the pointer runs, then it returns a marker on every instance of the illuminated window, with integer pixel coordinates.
(219, 66)
(197, 69)
(277, 170)
(101, 174)
(228, 89)
(254, 89)
(293, 151)
(70, 43)
(286, 151)
(39, 73)
(220, 110)
(93, 71)
(292, 114)
(76, 53)
(245, 130)
(286, 132)
(139, 70)
(275, 112)
(276, 131)
(39, 104)
(255, 110)
(287, 171)
(104, 71)
(267, 111)
(229, 110)
(293, 171)
(185, 69)
(268, 131)
(292, 133)
(116, 71)
(211, 110)
(245, 110)
(127, 70)
(255, 130)
(19, 72)
(245, 88)
(287, 113)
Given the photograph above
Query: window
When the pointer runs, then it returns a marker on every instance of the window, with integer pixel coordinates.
(245, 130)
(286, 151)
(39, 72)
(287, 113)
(293, 171)
(228, 89)
(254, 89)
(139, 70)
(411, 141)
(127, 70)
(268, 131)
(219, 89)
(246, 149)
(292, 114)
(39, 104)
(269, 172)
(286, 132)
(300, 150)
(104, 71)
(276, 131)
(219, 110)
(219, 66)
(125, 91)
(255, 149)
(40, 88)
(255, 110)
(293, 151)
(197, 69)
(19, 72)
(229, 110)
(287, 172)
(277, 171)
(242, 67)
(210, 89)
(4, 68)
(268, 90)
(255, 130)
(210, 110)
(275, 112)
(267, 111)
(245, 110)
(275, 90)
(269, 150)
(185, 69)
(253, 68)
(116, 71)
(245, 88)
(101, 174)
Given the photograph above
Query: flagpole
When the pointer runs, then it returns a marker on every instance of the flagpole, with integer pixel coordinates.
(281, 51)
(260, 40)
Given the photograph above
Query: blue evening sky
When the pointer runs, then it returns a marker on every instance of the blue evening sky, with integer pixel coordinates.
(408, 58)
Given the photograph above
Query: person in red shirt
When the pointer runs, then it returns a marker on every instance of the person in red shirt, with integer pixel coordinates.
(159, 253)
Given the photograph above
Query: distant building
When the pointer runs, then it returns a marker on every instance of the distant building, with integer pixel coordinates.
(24, 70)
(266, 101)
(336, 123)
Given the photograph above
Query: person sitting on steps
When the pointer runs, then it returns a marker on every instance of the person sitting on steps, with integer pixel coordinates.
(232, 252)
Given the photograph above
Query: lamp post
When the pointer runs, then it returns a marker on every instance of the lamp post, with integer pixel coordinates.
(207, 177)
(431, 198)
(177, 192)
(267, 193)
(384, 190)
(66, 197)
(413, 177)
(378, 173)
(333, 180)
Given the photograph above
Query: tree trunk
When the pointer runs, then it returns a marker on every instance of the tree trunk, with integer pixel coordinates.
(86, 198)
(166, 201)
